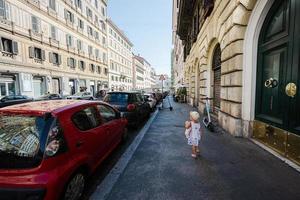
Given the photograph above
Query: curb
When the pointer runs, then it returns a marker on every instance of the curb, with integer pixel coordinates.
(274, 153)
(103, 190)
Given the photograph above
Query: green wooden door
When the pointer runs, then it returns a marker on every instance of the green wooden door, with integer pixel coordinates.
(278, 66)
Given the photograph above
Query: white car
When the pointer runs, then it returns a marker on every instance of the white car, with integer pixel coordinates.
(81, 95)
(151, 100)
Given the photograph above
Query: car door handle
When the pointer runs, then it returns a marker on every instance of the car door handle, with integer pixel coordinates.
(79, 144)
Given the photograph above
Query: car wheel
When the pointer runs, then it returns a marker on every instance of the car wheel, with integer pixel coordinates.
(75, 187)
(91, 98)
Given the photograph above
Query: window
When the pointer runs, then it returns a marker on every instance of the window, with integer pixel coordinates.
(72, 63)
(81, 65)
(70, 40)
(53, 33)
(105, 71)
(4, 9)
(90, 31)
(54, 58)
(9, 46)
(86, 119)
(103, 41)
(80, 24)
(37, 53)
(69, 16)
(104, 57)
(112, 78)
(97, 53)
(89, 13)
(96, 3)
(79, 45)
(78, 4)
(92, 67)
(99, 69)
(36, 24)
(90, 48)
(52, 5)
(103, 25)
(103, 11)
(96, 35)
(107, 113)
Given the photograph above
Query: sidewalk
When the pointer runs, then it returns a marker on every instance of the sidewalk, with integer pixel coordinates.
(229, 168)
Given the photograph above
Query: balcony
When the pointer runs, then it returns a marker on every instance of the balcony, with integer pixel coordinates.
(71, 49)
(7, 24)
(54, 42)
(52, 12)
(35, 3)
(35, 35)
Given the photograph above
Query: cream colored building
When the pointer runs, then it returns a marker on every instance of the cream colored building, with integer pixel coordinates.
(138, 72)
(177, 57)
(120, 59)
(57, 46)
(244, 55)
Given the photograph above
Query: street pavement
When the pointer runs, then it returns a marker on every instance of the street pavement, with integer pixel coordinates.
(228, 168)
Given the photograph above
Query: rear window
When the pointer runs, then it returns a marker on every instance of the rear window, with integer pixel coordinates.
(22, 140)
(118, 98)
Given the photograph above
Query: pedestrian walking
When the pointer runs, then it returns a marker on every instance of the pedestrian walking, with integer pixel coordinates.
(193, 132)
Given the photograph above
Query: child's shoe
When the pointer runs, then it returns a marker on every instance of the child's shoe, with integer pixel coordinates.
(194, 155)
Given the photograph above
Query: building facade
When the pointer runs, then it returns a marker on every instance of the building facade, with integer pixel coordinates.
(52, 46)
(177, 72)
(142, 73)
(120, 59)
(244, 56)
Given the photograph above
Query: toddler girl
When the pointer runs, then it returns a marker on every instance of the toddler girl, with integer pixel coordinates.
(193, 133)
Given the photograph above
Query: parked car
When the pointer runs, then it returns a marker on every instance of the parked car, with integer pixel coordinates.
(48, 149)
(151, 100)
(82, 95)
(49, 97)
(12, 100)
(131, 105)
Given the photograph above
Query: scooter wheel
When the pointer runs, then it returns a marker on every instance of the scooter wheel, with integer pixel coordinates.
(210, 127)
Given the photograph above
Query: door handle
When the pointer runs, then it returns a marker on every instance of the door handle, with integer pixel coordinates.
(79, 144)
(291, 89)
(271, 83)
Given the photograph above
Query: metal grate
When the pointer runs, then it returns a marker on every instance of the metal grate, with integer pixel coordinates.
(216, 66)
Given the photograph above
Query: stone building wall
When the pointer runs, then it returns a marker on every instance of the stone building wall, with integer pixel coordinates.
(225, 26)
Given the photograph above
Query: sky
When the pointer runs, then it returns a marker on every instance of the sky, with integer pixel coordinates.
(148, 25)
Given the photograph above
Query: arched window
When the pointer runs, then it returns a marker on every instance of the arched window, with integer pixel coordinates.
(216, 67)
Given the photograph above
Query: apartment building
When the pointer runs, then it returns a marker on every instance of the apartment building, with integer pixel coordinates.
(178, 51)
(138, 72)
(244, 56)
(119, 58)
(57, 46)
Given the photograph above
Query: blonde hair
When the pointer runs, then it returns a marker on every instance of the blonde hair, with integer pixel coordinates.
(194, 115)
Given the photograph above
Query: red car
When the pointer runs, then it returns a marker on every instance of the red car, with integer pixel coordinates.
(49, 148)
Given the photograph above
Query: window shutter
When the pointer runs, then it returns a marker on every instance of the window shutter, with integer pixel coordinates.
(7, 11)
(31, 52)
(50, 57)
(15, 48)
(68, 62)
(75, 62)
(2, 8)
(66, 16)
(59, 59)
(72, 18)
(43, 55)
(1, 41)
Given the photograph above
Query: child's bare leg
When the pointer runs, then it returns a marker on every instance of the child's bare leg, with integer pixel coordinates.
(193, 151)
(197, 149)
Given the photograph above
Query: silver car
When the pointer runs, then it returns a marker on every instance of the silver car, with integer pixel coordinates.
(81, 95)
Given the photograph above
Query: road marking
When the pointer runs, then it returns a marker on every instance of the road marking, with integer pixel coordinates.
(103, 190)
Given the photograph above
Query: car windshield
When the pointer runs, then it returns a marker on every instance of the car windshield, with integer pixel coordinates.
(22, 140)
(116, 98)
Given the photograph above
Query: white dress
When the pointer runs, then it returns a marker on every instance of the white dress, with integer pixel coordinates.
(194, 134)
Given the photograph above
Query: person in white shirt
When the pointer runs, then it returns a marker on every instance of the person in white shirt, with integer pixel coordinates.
(193, 132)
